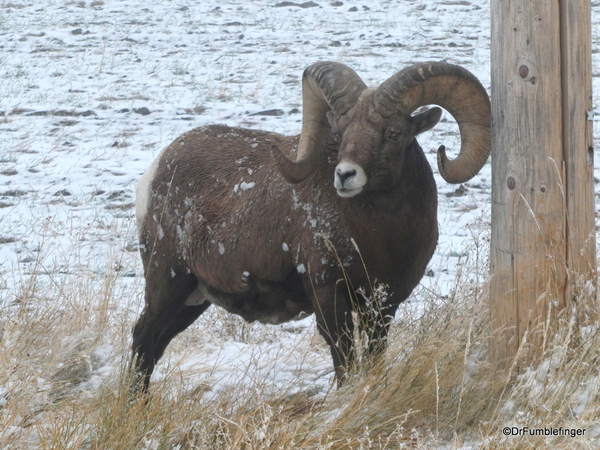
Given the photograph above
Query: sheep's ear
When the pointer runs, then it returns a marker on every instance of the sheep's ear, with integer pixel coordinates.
(425, 121)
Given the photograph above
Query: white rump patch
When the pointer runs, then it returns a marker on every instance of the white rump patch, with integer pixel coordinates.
(142, 192)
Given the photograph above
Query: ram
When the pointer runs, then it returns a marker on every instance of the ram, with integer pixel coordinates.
(274, 228)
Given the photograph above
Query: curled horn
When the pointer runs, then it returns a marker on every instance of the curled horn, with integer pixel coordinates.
(458, 91)
(326, 86)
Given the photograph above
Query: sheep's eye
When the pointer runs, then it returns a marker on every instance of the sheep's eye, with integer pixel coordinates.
(394, 136)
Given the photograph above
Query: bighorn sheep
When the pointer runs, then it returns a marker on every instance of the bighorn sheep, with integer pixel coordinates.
(229, 216)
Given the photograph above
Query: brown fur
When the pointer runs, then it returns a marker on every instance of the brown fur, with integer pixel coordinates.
(203, 240)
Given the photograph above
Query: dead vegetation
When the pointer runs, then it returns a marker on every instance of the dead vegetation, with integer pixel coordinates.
(434, 388)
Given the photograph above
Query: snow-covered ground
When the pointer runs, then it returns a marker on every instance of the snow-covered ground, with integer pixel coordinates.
(91, 91)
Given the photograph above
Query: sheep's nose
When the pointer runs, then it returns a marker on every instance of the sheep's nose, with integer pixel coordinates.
(343, 175)
(349, 179)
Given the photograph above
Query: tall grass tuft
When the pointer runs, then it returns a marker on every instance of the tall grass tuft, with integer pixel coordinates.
(64, 383)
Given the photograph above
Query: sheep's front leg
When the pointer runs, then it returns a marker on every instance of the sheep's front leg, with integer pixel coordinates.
(374, 323)
(333, 310)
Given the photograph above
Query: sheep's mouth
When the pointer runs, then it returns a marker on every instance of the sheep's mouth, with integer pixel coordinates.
(347, 193)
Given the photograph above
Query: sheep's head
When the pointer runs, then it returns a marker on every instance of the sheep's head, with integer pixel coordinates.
(372, 148)
(374, 127)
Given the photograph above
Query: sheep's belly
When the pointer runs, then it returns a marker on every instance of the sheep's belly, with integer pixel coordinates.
(270, 303)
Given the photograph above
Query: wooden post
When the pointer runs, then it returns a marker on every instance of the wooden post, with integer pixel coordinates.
(543, 235)
(576, 53)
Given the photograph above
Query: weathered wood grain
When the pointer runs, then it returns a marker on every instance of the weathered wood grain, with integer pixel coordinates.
(542, 197)
(576, 52)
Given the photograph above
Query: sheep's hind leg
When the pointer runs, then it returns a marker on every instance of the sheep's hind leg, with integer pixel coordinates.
(165, 315)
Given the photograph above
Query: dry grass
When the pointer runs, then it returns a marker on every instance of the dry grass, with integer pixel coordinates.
(434, 388)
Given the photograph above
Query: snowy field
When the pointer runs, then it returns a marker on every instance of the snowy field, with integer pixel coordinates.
(91, 91)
